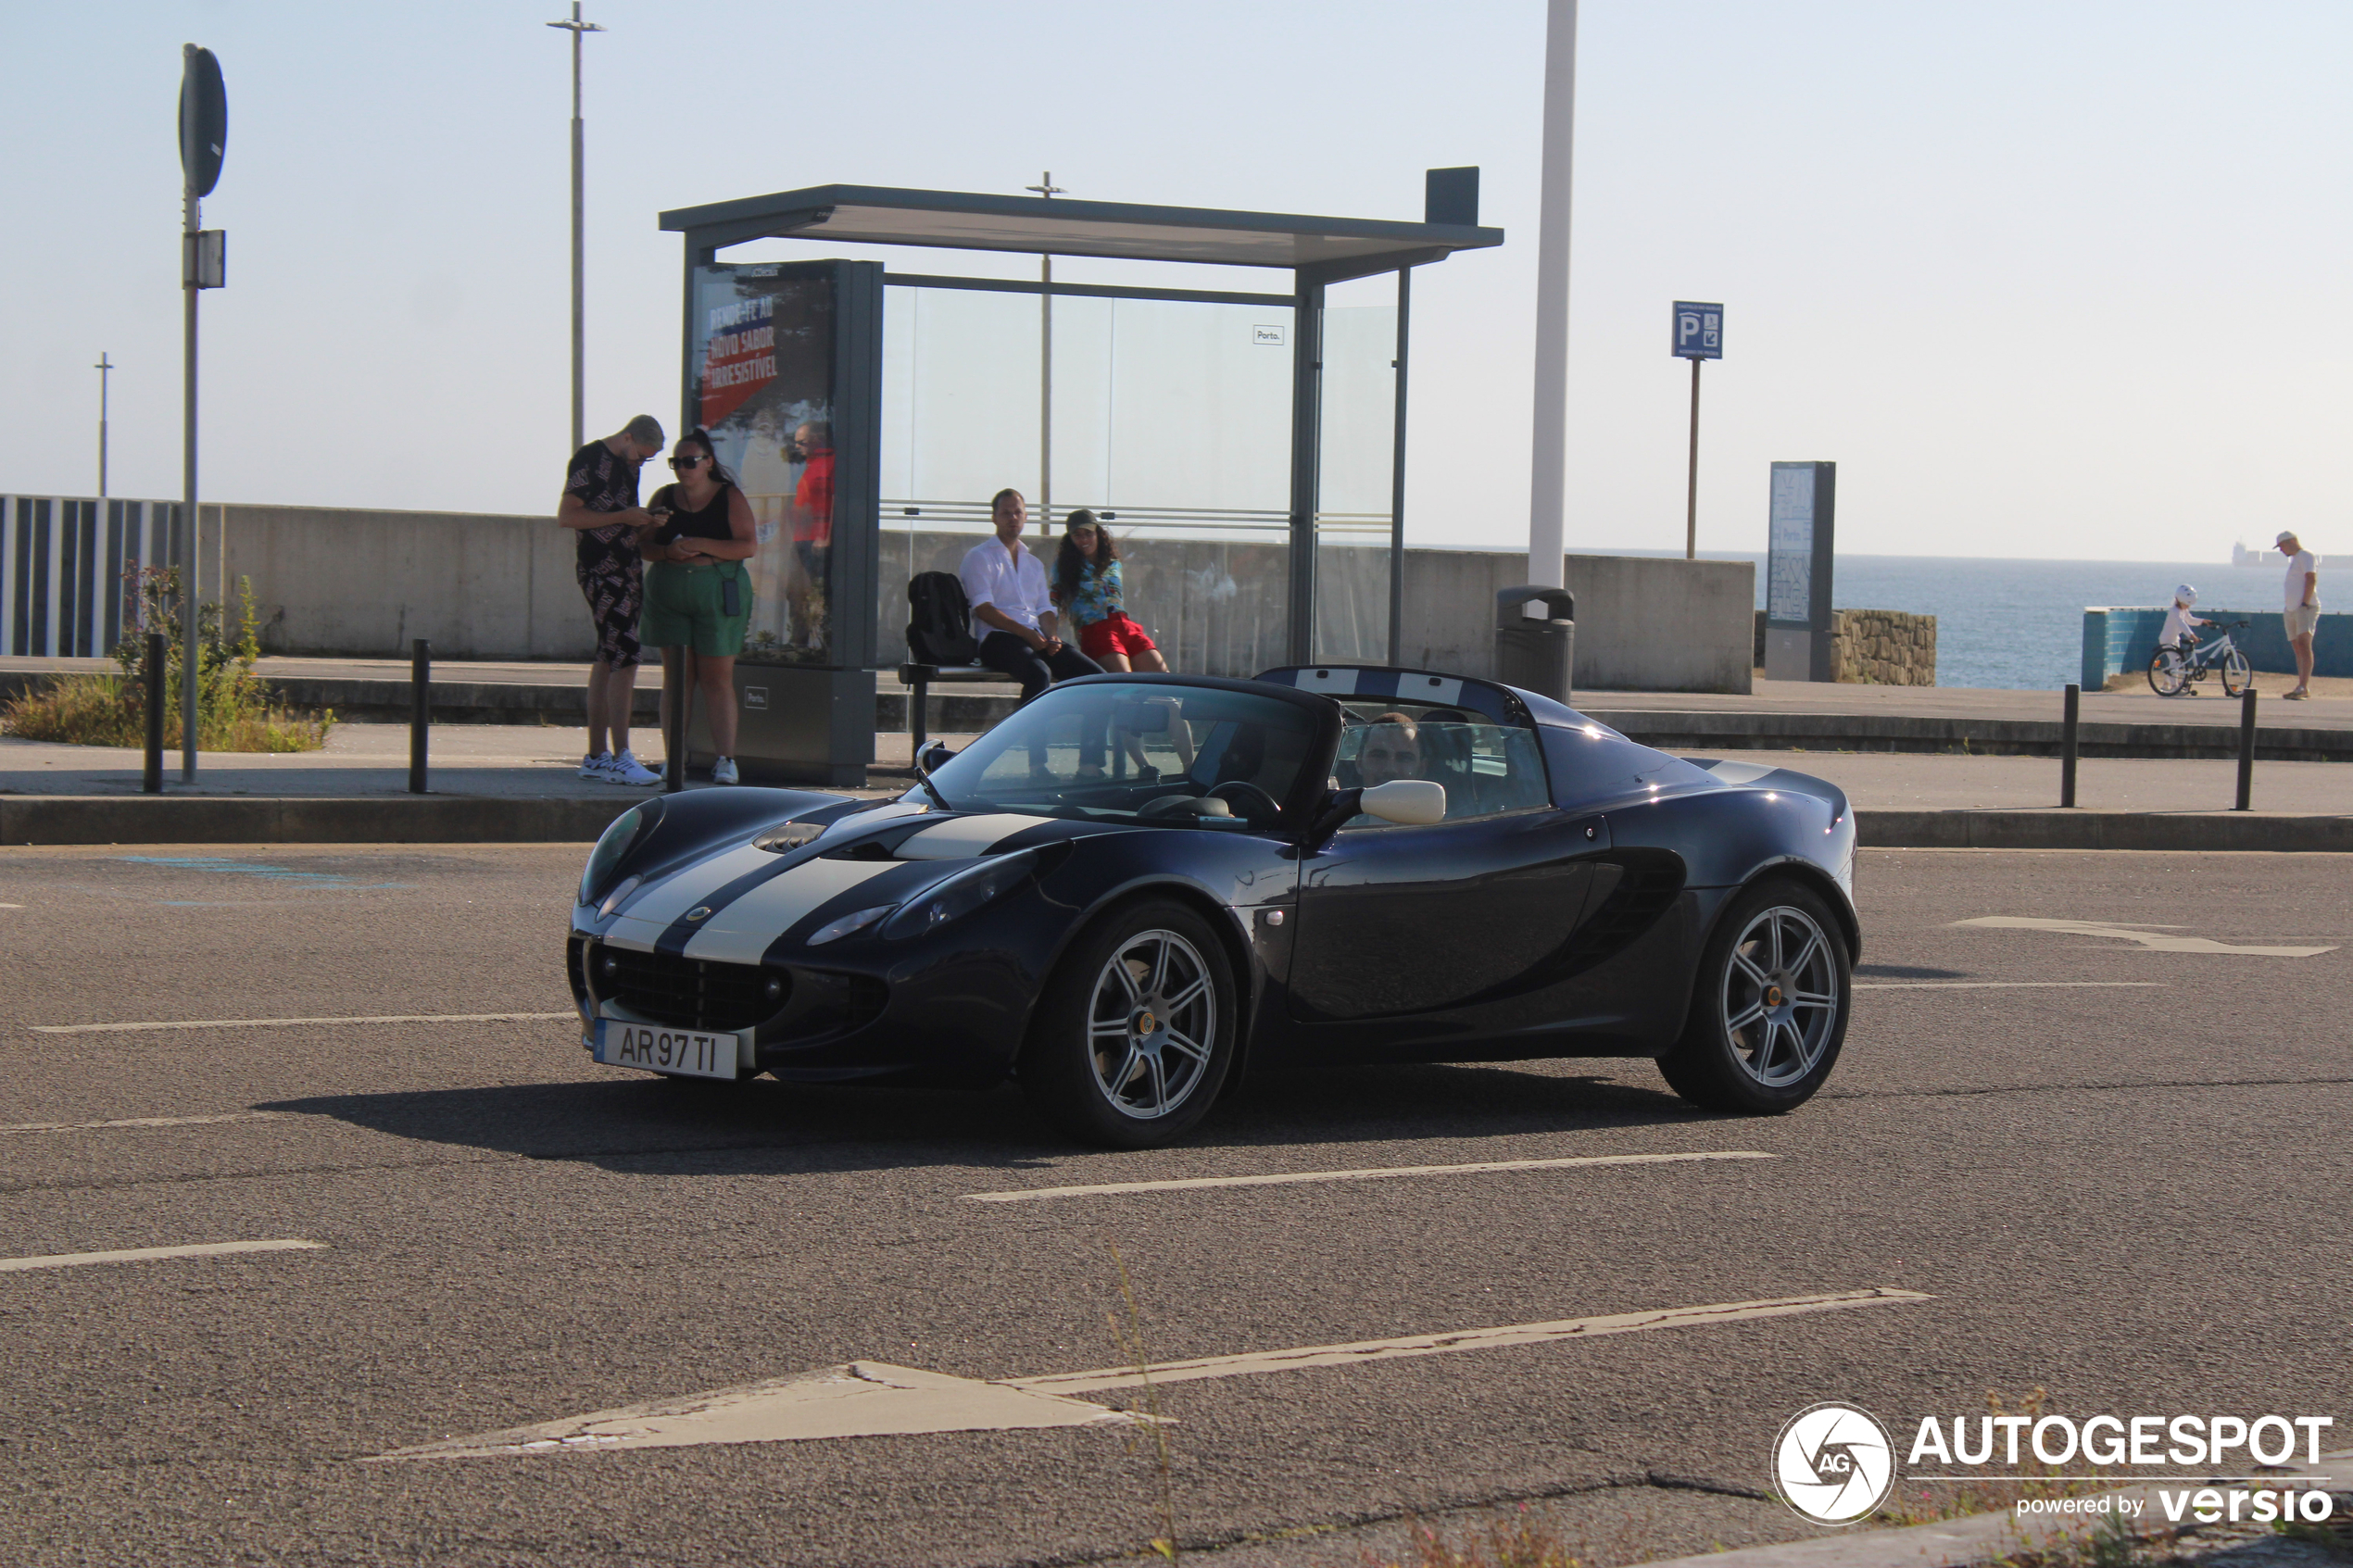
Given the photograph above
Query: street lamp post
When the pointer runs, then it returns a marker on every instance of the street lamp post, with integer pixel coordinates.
(1047, 191)
(105, 367)
(1548, 475)
(579, 299)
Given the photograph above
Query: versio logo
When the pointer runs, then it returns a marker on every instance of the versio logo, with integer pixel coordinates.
(1834, 1463)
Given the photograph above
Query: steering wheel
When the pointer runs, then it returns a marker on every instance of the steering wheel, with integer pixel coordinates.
(1253, 802)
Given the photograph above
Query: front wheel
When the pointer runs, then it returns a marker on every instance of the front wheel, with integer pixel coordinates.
(1135, 1034)
(2169, 672)
(2235, 674)
(1769, 1009)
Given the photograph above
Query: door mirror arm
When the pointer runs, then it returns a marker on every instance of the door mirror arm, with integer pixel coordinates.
(1338, 807)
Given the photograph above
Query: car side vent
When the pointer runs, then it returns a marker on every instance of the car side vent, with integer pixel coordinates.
(1647, 889)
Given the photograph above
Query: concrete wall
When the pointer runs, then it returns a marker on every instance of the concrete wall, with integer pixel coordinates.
(329, 580)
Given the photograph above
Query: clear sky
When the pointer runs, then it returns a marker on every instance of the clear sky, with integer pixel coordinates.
(2045, 278)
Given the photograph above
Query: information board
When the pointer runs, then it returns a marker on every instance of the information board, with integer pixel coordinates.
(1789, 558)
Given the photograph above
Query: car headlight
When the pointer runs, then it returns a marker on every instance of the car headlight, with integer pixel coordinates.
(847, 923)
(956, 896)
(626, 831)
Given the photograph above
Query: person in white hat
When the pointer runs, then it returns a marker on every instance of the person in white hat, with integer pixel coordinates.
(2302, 613)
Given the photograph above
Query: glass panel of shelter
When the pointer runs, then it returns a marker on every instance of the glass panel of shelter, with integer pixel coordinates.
(1170, 419)
(1356, 472)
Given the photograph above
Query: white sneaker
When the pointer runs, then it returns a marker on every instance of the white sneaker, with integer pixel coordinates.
(724, 771)
(626, 770)
(598, 767)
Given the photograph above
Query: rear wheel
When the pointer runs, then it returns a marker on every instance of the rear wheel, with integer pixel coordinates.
(1768, 1013)
(2169, 672)
(2235, 674)
(1135, 1034)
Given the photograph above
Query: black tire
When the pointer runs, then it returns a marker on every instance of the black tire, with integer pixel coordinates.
(2169, 672)
(2235, 674)
(1103, 1062)
(1777, 1059)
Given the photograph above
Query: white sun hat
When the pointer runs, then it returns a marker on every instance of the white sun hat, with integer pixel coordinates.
(2285, 534)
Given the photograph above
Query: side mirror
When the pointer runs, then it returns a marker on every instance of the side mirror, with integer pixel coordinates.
(1408, 802)
(933, 756)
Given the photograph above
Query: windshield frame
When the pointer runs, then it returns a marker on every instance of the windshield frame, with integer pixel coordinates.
(1308, 790)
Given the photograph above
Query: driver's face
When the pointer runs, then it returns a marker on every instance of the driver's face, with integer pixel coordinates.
(1389, 753)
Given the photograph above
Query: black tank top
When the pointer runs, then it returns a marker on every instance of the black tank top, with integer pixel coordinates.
(709, 523)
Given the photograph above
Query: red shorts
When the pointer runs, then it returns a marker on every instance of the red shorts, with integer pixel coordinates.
(1114, 634)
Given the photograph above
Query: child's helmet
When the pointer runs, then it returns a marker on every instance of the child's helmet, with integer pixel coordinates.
(2185, 595)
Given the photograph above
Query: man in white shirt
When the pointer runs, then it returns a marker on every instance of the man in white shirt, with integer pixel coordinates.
(2302, 612)
(1014, 618)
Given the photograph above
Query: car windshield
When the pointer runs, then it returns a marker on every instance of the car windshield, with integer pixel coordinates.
(1158, 751)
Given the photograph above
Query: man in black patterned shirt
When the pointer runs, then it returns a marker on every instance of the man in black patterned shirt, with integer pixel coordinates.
(600, 502)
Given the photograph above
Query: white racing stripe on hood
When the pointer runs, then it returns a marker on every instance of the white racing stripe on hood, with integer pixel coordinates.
(1740, 772)
(960, 837)
(741, 932)
(665, 901)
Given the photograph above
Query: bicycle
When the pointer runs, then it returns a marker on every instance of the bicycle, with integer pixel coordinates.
(2175, 669)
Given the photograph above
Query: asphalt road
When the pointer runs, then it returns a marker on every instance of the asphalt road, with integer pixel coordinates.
(2133, 1195)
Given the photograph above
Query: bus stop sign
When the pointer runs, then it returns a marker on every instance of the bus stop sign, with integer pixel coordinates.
(1699, 330)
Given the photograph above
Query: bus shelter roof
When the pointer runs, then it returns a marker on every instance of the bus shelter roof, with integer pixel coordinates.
(1328, 249)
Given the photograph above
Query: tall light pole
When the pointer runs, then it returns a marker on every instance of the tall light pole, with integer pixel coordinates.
(1047, 191)
(579, 298)
(105, 367)
(1547, 487)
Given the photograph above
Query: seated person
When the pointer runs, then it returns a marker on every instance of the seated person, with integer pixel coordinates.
(1392, 749)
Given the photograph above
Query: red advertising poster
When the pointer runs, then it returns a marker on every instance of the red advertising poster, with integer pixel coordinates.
(739, 355)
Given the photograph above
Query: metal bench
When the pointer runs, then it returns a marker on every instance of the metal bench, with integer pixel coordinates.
(919, 678)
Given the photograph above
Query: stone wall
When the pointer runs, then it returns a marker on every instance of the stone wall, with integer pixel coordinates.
(1878, 647)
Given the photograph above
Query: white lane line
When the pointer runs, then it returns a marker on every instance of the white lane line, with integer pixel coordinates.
(145, 1121)
(875, 1398)
(2006, 984)
(289, 1022)
(1371, 1173)
(143, 1254)
(2159, 940)
(1363, 1351)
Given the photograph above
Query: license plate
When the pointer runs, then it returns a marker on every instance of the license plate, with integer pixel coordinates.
(682, 1051)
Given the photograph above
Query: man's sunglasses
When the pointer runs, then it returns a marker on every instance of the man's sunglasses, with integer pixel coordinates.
(683, 463)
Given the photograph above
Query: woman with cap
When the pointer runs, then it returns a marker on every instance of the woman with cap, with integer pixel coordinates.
(1087, 588)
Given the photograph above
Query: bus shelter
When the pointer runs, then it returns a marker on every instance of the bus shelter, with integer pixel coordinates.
(1247, 448)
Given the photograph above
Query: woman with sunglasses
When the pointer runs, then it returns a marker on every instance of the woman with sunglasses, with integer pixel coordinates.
(697, 590)
(1087, 587)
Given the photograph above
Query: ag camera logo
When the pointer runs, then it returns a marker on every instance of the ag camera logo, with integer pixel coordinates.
(1834, 1463)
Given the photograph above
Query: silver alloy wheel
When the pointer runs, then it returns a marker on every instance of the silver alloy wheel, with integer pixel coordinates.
(1151, 1024)
(1780, 995)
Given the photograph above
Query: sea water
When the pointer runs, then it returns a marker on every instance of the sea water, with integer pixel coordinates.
(2020, 623)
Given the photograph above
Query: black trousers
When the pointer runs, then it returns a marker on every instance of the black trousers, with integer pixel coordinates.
(1034, 671)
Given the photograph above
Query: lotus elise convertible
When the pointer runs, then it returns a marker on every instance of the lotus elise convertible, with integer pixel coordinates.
(1138, 888)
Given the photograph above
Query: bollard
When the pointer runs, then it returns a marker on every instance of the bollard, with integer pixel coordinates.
(2066, 745)
(675, 692)
(158, 653)
(420, 711)
(2247, 751)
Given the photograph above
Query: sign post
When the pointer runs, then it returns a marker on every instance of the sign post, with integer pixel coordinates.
(204, 133)
(1699, 334)
(1798, 645)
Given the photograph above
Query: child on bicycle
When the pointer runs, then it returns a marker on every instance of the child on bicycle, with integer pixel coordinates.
(2178, 621)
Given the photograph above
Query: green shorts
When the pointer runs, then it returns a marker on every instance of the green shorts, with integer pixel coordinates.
(686, 608)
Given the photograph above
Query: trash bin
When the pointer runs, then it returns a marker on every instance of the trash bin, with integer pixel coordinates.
(1536, 639)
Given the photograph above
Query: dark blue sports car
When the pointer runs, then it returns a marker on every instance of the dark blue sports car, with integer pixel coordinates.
(1138, 888)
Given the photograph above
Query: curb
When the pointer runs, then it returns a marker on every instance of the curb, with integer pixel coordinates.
(2057, 828)
(476, 818)
(397, 819)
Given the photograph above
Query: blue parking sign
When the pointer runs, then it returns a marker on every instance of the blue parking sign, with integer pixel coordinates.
(1699, 330)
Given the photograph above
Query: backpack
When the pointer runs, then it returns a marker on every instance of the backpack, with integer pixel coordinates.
(939, 631)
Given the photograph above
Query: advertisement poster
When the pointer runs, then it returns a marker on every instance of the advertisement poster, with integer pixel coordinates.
(762, 352)
(1789, 562)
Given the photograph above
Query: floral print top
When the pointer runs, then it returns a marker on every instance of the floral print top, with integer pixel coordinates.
(1097, 597)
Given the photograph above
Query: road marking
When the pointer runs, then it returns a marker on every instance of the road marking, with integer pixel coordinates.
(145, 1121)
(861, 1399)
(2159, 940)
(873, 1398)
(1370, 1174)
(143, 1254)
(2005, 984)
(289, 1022)
(1363, 1351)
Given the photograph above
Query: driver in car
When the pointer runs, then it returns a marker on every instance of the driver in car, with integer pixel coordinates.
(1392, 749)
